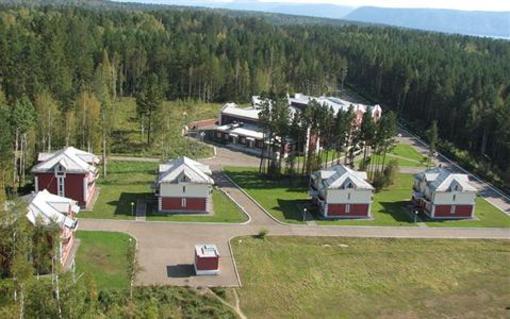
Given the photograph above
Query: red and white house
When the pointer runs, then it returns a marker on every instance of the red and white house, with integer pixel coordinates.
(207, 260)
(442, 194)
(341, 192)
(184, 186)
(47, 208)
(69, 172)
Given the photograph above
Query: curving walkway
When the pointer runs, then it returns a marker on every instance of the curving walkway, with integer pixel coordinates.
(165, 249)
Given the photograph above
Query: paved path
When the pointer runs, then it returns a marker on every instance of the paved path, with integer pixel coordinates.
(141, 208)
(165, 249)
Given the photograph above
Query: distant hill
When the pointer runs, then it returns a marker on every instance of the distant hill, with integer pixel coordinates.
(303, 9)
(481, 23)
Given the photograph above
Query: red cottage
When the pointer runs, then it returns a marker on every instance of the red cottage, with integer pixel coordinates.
(207, 260)
(68, 173)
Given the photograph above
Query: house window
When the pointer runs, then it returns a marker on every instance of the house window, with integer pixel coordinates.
(184, 189)
(348, 196)
(452, 209)
(348, 185)
(60, 186)
(347, 208)
(183, 202)
(454, 197)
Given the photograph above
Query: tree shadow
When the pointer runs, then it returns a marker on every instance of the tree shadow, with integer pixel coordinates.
(292, 209)
(123, 204)
(180, 271)
(400, 211)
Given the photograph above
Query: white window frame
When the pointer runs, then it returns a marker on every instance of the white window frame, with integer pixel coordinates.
(452, 209)
(183, 202)
(347, 208)
(61, 186)
(184, 189)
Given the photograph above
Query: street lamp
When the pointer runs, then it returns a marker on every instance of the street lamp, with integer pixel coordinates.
(132, 208)
(304, 213)
(415, 215)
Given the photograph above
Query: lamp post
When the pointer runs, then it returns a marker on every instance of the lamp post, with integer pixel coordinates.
(304, 214)
(132, 208)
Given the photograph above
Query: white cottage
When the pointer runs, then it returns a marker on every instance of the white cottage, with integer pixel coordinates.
(442, 194)
(341, 192)
(184, 185)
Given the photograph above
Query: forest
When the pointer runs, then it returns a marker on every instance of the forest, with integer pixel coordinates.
(63, 68)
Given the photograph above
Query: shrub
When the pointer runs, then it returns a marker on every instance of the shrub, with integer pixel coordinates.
(262, 233)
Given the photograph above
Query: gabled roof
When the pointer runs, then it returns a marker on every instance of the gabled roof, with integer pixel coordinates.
(72, 159)
(337, 176)
(194, 171)
(48, 208)
(442, 180)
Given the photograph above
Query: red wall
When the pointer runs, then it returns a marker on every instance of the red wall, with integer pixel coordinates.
(460, 211)
(209, 263)
(73, 185)
(192, 204)
(47, 181)
(357, 210)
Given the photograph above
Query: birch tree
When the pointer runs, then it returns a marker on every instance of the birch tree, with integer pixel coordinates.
(48, 116)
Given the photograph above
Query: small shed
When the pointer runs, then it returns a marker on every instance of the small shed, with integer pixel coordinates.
(207, 260)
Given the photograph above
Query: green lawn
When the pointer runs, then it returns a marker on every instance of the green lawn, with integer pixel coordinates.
(296, 277)
(128, 181)
(404, 154)
(103, 256)
(225, 211)
(125, 183)
(286, 198)
(127, 138)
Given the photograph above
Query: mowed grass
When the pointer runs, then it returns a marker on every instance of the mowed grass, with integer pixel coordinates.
(225, 211)
(285, 199)
(125, 183)
(282, 198)
(103, 255)
(128, 140)
(404, 154)
(297, 277)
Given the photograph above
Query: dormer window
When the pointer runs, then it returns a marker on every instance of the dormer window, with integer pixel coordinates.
(349, 185)
(59, 170)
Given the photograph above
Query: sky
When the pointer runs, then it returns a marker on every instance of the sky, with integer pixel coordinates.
(481, 5)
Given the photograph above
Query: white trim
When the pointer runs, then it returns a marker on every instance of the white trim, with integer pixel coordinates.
(184, 202)
(85, 189)
(36, 182)
(61, 182)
